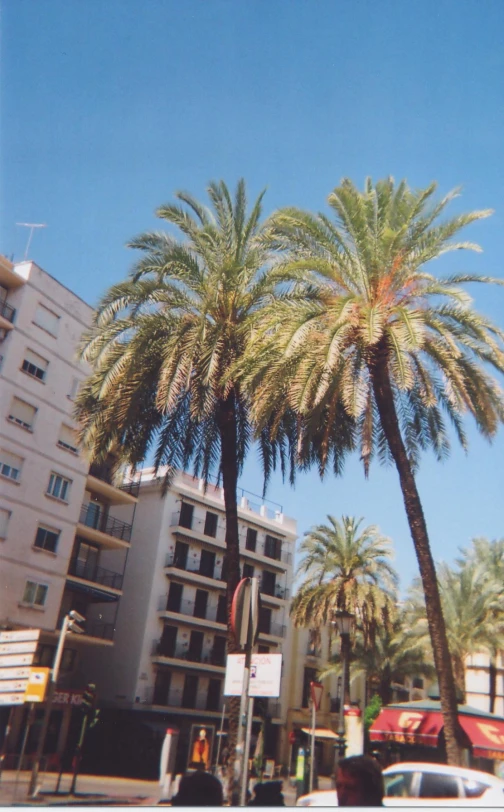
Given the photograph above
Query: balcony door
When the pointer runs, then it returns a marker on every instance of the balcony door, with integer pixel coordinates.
(273, 547)
(190, 691)
(168, 641)
(180, 555)
(162, 687)
(86, 560)
(264, 620)
(195, 649)
(200, 603)
(218, 656)
(268, 582)
(174, 597)
(207, 563)
(213, 695)
(186, 515)
(222, 609)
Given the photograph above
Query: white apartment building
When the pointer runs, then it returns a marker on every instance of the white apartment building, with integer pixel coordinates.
(60, 547)
(168, 662)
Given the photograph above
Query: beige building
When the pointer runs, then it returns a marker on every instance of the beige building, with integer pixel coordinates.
(168, 662)
(61, 547)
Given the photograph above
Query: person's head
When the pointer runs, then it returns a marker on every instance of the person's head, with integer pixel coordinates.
(359, 782)
(268, 793)
(199, 789)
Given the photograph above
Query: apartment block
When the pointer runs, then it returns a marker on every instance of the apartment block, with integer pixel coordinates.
(168, 662)
(61, 547)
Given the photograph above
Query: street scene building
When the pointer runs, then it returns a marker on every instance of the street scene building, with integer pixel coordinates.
(168, 662)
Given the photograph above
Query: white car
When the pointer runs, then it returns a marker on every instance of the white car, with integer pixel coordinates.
(423, 784)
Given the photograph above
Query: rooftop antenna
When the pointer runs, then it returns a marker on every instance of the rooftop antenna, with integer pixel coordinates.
(31, 226)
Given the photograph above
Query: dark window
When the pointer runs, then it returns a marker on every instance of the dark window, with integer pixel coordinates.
(218, 653)
(213, 696)
(438, 786)
(186, 515)
(251, 540)
(210, 524)
(207, 563)
(162, 687)
(195, 647)
(200, 603)
(248, 571)
(268, 583)
(273, 548)
(222, 609)
(224, 570)
(168, 641)
(174, 597)
(310, 675)
(474, 789)
(190, 691)
(264, 620)
(398, 785)
(46, 539)
(263, 649)
(180, 555)
(418, 682)
(45, 654)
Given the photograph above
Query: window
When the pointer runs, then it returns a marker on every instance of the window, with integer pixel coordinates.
(264, 624)
(251, 540)
(22, 413)
(47, 539)
(45, 654)
(186, 515)
(4, 521)
(34, 365)
(35, 594)
(268, 582)
(68, 439)
(418, 683)
(46, 319)
(474, 789)
(221, 609)
(398, 785)
(210, 524)
(10, 465)
(59, 487)
(273, 548)
(74, 388)
(248, 571)
(438, 786)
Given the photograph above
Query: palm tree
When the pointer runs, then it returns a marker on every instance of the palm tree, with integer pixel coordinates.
(345, 569)
(387, 342)
(470, 604)
(394, 655)
(489, 556)
(162, 344)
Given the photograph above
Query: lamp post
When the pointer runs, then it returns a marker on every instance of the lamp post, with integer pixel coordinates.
(343, 621)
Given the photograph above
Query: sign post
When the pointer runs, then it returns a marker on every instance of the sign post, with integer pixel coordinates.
(17, 649)
(316, 689)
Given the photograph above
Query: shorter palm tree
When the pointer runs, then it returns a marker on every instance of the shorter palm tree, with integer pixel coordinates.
(345, 569)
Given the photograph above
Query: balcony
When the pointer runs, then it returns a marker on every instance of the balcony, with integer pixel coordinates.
(97, 524)
(101, 480)
(96, 629)
(7, 314)
(189, 610)
(213, 660)
(95, 574)
(273, 629)
(177, 700)
(206, 576)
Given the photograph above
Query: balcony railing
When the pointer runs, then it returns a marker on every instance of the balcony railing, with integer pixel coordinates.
(133, 488)
(160, 649)
(187, 608)
(98, 575)
(276, 629)
(94, 628)
(102, 521)
(106, 474)
(176, 699)
(172, 560)
(7, 311)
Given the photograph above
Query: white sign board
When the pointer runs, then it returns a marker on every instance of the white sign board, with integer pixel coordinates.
(265, 675)
(27, 647)
(19, 672)
(11, 699)
(7, 660)
(19, 636)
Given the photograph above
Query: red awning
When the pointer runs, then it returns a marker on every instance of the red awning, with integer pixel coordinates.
(486, 735)
(406, 726)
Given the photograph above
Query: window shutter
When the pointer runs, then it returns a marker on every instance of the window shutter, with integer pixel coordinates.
(68, 438)
(4, 521)
(10, 464)
(35, 359)
(46, 319)
(21, 412)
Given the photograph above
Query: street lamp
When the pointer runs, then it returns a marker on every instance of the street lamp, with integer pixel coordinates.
(70, 624)
(343, 621)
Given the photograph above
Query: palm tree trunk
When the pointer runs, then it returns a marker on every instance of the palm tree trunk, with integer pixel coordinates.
(345, 659)
(492, 682)
(384, 398)
(229, 469)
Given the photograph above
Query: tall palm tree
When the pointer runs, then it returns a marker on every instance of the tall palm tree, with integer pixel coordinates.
(395, 654)
(382, 338)
(345, 569)
(470, 605)
(162, 344)
(489, 556)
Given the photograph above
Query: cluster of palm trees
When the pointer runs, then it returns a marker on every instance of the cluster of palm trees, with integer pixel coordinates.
(312, 336)
(345, 568)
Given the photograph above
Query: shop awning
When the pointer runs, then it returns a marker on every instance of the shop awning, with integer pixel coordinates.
(406, 726)
(321, 732)
(421, 722)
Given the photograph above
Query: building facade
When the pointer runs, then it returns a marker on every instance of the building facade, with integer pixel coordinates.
(61, 547)
(168, 663)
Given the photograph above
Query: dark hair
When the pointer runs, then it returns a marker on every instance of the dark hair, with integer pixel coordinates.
(369, 773)
(268, 793)
(199, 789)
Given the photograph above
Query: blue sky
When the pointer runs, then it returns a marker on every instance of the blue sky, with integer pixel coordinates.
(109, 106)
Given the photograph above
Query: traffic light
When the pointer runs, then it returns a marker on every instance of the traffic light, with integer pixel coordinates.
(89, 697)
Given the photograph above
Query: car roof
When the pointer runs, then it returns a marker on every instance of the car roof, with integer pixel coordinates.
(444, 769)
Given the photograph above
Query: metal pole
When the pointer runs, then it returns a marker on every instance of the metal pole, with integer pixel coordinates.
(312, 744)
(6, 736)
(32, 789)
(29, 722)
(345, 639)
(78, 754)
(219, 743)
(243, 796)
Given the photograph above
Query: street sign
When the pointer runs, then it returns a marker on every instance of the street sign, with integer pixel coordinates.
(35, 689)
(21, 672)
(265, 675)
(12, 699)
(19, 636)
(25, 647)
(316, 691)
(8, 660)
(8, 686)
